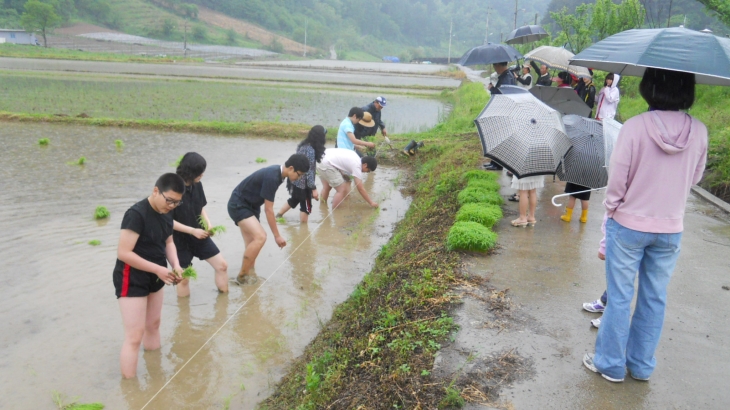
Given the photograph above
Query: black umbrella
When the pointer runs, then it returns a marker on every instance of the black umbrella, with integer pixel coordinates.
(585, 163)
(563, 99)
(489, 54)
(678, 49)
(526, 34)
(512, 89)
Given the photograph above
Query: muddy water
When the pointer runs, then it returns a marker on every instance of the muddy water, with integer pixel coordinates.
(61, 323)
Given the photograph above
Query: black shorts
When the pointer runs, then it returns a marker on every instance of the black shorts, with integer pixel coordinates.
(239, 212)
(305, 205)
(192, 247)
(130, 282)
(571, 187)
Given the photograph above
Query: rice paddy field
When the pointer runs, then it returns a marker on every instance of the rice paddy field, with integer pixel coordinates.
(192, 100)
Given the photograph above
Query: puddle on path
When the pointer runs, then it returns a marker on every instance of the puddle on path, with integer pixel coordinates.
(61, 323)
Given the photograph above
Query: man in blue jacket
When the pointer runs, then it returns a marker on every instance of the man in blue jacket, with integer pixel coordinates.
(374, 109)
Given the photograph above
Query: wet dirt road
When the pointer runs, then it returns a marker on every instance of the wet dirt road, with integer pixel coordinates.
(551, 269)
(61, 323)
(287, 74)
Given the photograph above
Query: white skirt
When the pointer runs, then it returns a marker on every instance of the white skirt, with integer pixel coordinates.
(528, 183)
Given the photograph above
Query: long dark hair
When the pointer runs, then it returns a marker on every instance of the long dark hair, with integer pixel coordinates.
(609, 76)
(316, 140)
(192, 165)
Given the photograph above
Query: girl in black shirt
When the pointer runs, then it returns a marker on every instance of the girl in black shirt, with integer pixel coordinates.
(190, 238)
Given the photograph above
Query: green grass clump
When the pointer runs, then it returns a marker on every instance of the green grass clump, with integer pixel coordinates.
(486, 215)
(43, 142)
(94, 242)
(453, 399)
(485, 184)
(472, 195)
(101, 212)
(190, 273)
(119, 144)
(480, 175)
(260, 160)
(60, 400)
(470, 236)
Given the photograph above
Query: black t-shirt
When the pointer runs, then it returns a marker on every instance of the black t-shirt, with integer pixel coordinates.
(259, 187)
(153, 229)
(362, 131)
(192, 206)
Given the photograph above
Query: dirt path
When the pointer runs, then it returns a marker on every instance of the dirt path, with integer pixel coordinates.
(252, 31)
(524, 346)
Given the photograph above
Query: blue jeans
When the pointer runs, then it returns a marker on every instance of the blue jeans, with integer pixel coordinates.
(624, 341)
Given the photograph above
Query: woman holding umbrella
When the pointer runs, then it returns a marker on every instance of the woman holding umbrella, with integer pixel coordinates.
(609, 97)
(658, 156)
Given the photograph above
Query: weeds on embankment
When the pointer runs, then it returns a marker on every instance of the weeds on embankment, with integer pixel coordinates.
(19, 51)
(378, 349)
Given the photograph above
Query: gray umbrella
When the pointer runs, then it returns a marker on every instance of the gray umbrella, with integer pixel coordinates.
(512, 89)
(526, 34)
(557, 58)
(524, 135)
(584, 163)
(611, 129)
(678, 49)
(563, 99)
(489, 54)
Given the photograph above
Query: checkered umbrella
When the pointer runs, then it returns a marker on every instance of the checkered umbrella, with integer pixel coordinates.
(523, 134)
(585, 163)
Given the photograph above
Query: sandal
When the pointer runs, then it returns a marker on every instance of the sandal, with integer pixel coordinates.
(531, 223)
(513, 198)
(519, 224)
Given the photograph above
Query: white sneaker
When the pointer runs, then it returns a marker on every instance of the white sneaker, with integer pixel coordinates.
(596, 323)
(594, 307)
(588, 363)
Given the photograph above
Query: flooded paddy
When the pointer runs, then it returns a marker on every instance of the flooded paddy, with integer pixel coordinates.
(62, 328)
(120, 98)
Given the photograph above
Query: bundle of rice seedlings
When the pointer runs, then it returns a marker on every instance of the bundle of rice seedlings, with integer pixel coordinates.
(80, 161)
(211, 231)
(480, 174)
(190, 273)
(119, 144)
(260, 160)
(471, 195)
(484, 214)
(485, 184)
(101, 212)
(43, 142)
(177, 162)
(94, 242)
(470, 236)
(60, 400)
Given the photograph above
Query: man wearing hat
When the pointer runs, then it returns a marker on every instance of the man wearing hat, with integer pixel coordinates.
(374, 109)
(365, 127)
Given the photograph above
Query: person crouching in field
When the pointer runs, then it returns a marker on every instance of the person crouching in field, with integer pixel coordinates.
(191, 240)
(145, 247)
(304, 189)
(337, 167)
(244, 207)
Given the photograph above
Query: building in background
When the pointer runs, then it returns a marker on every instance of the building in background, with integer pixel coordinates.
(17, 36)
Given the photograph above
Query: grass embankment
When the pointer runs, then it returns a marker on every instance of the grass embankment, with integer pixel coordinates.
(711, 108)
(378, 349)
(20, 51)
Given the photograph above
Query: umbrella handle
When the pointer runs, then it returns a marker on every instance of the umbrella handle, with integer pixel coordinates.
(579, 192)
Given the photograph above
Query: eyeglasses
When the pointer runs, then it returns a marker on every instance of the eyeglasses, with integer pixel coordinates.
(171, 201)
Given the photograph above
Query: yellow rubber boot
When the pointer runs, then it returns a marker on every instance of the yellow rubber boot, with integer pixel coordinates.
(568, 214)
(584, 216)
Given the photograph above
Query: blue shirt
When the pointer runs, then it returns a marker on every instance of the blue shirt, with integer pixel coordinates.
(343, 141)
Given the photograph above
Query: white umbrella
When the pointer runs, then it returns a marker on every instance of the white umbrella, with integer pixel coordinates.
(523, 134)
(557, 58)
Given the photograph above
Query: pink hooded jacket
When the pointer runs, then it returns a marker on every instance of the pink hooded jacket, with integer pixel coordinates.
(658, 156)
